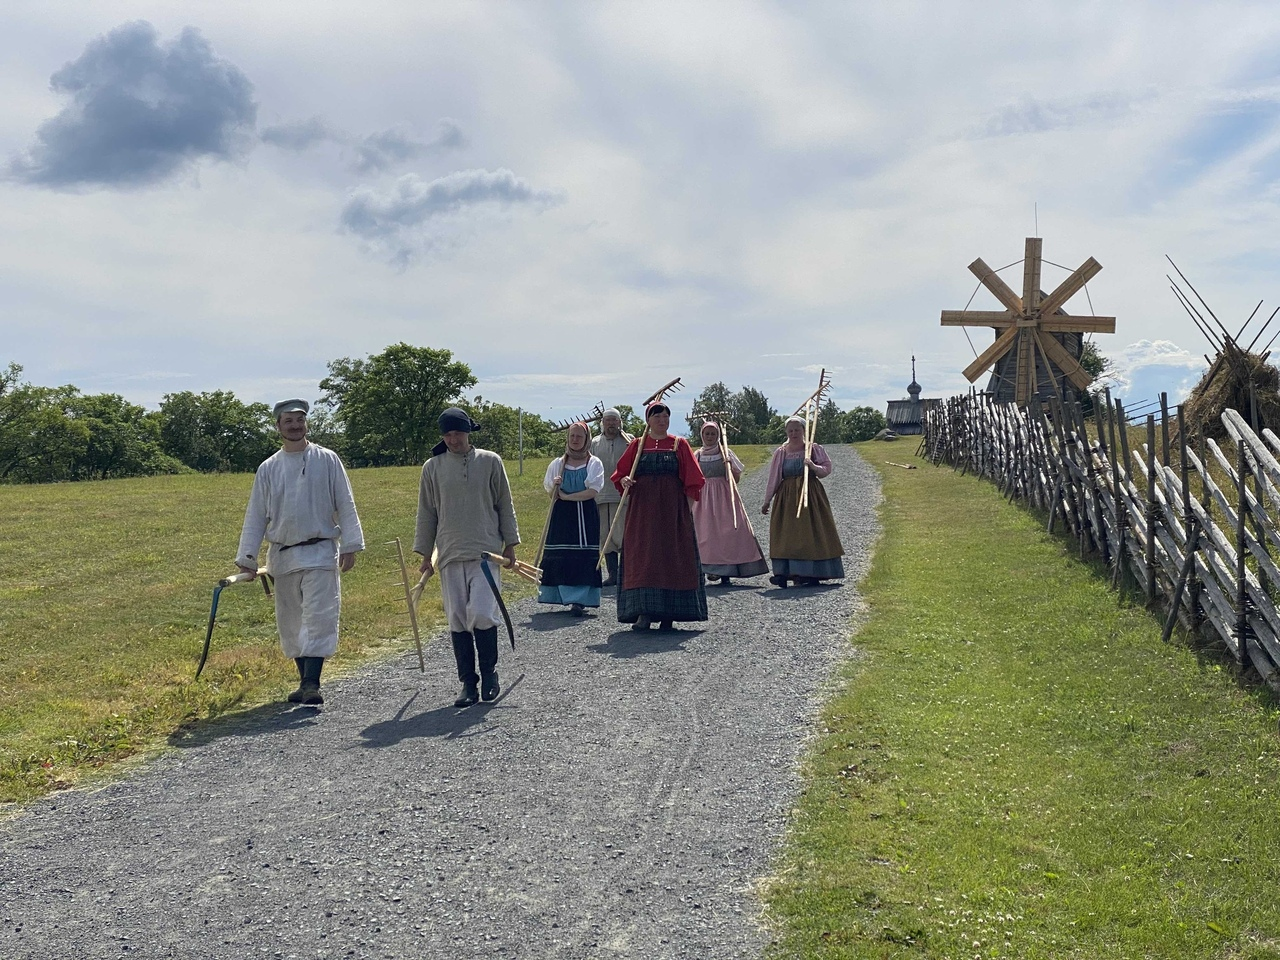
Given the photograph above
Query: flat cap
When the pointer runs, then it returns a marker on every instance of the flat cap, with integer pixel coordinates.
(290, 406)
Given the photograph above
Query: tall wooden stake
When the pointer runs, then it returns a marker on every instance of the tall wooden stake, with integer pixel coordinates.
(411, 602)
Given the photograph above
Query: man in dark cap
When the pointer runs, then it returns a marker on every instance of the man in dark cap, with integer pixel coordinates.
(465, 510)
(302, 504)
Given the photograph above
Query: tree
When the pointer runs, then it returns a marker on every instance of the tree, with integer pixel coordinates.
(714, 398)
(830, 425)
(632, 422)
(1098, 367)
(123, 440)
(501, 426)
(753, 416)
(862, 423)
(388, 406)
(215, 432)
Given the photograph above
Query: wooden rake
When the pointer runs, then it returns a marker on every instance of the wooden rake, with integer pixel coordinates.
(810, 409)
(659, 394)
(722, 420)
(595, 416)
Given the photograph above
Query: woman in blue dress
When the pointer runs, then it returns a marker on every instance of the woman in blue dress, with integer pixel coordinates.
(571, 554)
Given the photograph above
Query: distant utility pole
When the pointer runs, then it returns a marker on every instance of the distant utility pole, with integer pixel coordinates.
(520, 434)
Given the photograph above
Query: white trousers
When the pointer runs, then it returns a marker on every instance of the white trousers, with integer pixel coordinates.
(469, 604)
(307, 607)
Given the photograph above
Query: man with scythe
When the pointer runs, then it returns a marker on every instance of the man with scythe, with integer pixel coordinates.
(302, 504)
(465, 510)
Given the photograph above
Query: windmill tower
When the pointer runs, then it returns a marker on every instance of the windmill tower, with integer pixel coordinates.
(1038, 345)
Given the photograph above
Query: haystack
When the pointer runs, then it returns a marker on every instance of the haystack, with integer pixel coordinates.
(1236, 380)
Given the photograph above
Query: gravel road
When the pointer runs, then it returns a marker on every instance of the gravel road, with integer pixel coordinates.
(621, 799)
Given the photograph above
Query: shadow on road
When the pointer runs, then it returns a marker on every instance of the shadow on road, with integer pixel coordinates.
(627, 644)
(545, 621)
(799, 593)
(446, 721)
(266, 719)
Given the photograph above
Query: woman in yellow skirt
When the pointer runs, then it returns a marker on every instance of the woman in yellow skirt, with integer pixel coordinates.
(804, 549)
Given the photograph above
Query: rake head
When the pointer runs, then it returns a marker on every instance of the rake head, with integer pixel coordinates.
(596, 415)
(661, 393)
(719, 416)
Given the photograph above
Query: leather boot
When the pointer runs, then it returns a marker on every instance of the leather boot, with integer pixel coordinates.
(297, 695)
(464, 654)
(310, 688)
(611, 564)
(487, 649)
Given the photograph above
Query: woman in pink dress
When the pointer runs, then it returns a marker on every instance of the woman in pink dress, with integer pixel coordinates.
(726, 542)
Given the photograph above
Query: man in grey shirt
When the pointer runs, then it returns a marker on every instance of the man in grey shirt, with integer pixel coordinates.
(302, 504)
(609, 447)
(465, 510)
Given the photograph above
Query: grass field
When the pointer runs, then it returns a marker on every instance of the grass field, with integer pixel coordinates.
(1016, 766)
(104, 599)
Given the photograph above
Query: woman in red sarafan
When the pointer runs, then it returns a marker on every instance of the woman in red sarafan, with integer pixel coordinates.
(660, 574)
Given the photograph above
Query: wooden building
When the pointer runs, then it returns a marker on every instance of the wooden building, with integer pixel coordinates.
(907, 416)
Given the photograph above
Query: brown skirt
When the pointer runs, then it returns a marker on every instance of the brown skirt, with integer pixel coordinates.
(812, 535)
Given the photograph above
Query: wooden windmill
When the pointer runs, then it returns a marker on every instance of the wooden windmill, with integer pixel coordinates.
(1038, 345)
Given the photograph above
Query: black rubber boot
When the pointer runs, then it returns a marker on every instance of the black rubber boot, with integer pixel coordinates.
(487, 649)
(464, 654)
(611, 564)
(310, 688)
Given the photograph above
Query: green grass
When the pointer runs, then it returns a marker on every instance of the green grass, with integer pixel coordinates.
(104, 599)
(1016, 766)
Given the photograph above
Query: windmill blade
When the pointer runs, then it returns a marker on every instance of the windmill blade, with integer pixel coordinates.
(988, 278)
(1031, 264)
(1065, 361)
(1070, 286)
(990, 355)
(977, 318)
(1063, 323)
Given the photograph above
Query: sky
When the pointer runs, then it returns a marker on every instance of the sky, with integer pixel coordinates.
(582, 201)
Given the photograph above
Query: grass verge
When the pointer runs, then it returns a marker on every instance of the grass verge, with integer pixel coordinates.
(105, 590)
(1016, 766)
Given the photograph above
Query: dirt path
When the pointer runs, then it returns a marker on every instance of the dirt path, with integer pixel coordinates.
(620, 800)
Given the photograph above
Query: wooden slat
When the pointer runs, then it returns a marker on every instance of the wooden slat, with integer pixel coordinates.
(990, 355)
(1031, 276)
(1061, 323)
(1025, 374)
(1065, 361)
(991, 280)
(1070, 286)
(978, 318)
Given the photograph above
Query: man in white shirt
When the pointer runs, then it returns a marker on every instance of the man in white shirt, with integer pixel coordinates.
(302, 505)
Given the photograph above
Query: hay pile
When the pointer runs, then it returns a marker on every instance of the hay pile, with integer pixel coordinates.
(1227, 384)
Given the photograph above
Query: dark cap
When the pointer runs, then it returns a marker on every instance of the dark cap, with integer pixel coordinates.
(455, 418)
(290, 406)
(656, 407)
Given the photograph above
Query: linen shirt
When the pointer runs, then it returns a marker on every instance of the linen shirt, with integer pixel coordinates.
(298, 497)
(464, 507)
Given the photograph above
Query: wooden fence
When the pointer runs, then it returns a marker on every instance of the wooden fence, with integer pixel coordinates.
(1161, 512)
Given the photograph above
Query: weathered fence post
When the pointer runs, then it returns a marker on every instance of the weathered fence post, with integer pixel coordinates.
(1242, 591)
(1151, 508)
